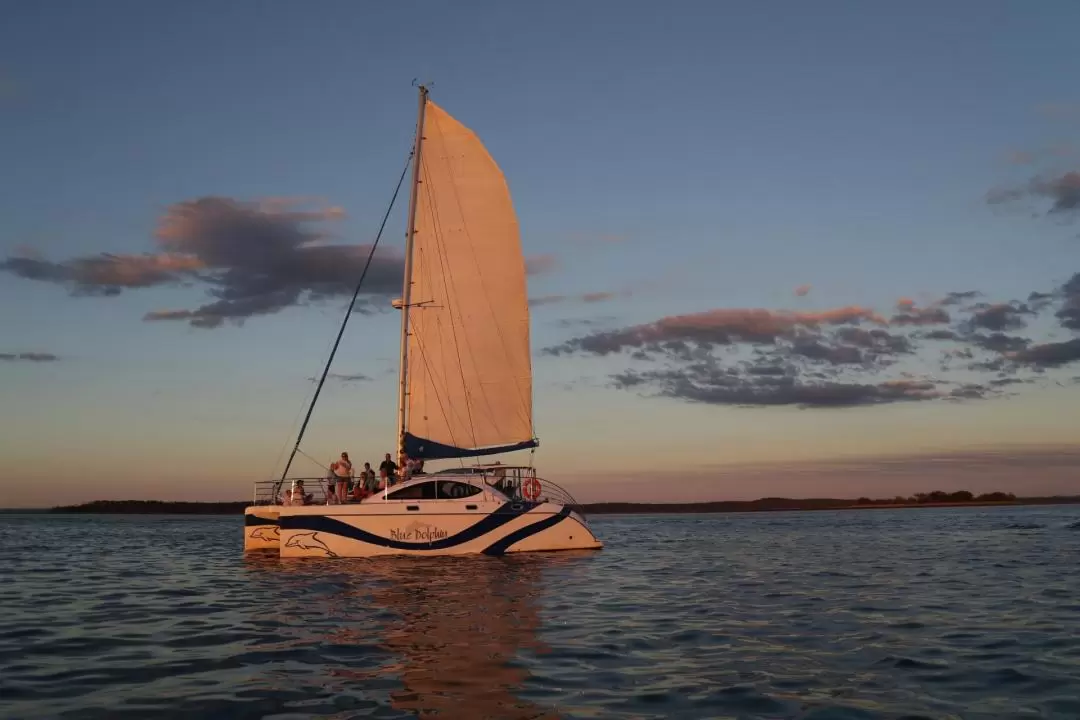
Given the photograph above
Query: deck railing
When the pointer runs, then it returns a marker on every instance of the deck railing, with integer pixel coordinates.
(510, 481)
(272, 492)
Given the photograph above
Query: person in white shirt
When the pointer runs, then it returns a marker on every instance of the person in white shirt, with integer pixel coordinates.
(343, 474)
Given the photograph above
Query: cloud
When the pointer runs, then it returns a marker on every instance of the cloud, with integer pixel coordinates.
(1000, 316)
(540, 264)
(1059, 110)
(1039, 301)
(1025, 157)
(104, 274)
(252, 258)
(957, 298)
(592, 297)
(714, 327)
(1049, 354)
(1069, 314)
(998, 342)
(33, 357)
(843, 357)
(1020, 157)
(711, 383)
(585, 322)
(1062, 190)
(910, 315)
(356, 377)
(802, 290)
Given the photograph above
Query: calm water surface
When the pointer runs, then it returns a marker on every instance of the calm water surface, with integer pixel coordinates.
(945, 613)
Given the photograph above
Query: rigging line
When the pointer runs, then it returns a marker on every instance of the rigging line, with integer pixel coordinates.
(321, 466)
(442, 409)
(296, 419)
(425, 201)
(448, 283)
(438, 252)
(345, 321)
(483, 285)
(292, 425)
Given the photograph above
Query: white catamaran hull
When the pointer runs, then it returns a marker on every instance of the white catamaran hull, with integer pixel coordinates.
(261, 527)
(465, 528)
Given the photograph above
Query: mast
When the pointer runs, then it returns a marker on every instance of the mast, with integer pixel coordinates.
(406, 291)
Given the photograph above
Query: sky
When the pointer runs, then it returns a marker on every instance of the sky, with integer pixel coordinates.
(824, 250)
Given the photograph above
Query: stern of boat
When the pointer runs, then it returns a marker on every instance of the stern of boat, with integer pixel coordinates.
(262, 518)
(261, 527)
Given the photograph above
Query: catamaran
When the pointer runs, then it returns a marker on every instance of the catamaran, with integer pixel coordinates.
(464, 386)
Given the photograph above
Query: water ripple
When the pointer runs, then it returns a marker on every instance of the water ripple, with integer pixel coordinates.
(958, 613)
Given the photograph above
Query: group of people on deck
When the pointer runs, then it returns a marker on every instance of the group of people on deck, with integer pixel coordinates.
(343, 485)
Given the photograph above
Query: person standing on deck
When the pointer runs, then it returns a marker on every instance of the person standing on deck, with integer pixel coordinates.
(343, 474)
(387, 469)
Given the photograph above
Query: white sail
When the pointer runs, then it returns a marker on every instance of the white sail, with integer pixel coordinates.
(469, 370)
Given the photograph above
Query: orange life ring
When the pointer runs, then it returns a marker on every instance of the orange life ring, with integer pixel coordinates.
(530, 488)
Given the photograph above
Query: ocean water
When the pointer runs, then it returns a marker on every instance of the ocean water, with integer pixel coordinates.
(935, 613)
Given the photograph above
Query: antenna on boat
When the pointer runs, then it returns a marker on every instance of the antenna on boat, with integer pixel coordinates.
(406, 289)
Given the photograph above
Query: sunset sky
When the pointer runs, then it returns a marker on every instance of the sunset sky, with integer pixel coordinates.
(810, 250)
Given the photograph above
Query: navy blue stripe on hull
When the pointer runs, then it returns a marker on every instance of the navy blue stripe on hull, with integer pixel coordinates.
(501, 546)
(258, 520)
(322, 523)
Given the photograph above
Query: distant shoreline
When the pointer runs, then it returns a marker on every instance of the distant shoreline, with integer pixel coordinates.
(158, 507)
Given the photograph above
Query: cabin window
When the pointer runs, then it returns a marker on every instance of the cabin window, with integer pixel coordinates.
(457, 490)
(435, 490)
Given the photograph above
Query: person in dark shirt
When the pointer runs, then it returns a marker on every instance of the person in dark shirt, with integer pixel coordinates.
(387, 470)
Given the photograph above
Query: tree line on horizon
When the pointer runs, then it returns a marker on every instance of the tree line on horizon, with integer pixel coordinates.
(939, 496)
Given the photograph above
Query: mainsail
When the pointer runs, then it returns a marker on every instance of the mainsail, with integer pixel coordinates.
(469, 371)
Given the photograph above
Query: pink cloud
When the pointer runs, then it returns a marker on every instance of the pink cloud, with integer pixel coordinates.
(540, 263)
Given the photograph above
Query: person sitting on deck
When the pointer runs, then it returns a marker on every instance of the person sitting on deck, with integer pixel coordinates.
(343, 475)
(367, 478)
(296, 495)
(498, 476)
(410, 468)
(365, 483)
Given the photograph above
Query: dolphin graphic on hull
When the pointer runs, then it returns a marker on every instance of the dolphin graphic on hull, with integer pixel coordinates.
(308, 541)
(270, 533)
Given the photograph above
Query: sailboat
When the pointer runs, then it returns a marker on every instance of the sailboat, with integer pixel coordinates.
(465, 385)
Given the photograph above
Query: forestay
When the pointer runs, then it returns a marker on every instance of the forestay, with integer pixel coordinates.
(469, 377)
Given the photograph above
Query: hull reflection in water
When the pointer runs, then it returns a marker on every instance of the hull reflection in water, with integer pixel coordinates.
(436, 637)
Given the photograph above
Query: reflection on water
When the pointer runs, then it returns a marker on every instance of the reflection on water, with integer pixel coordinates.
(966, 613)
(449, 630)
